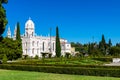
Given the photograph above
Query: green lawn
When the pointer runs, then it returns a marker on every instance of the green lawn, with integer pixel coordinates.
(24, 75)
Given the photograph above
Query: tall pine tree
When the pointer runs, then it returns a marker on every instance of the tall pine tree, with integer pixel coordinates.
(58, 46)
(103, 45)
(103, 40)
(109, 43)
(3, 20)
(18, 37)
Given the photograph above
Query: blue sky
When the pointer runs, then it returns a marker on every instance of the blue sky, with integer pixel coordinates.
(78, 20)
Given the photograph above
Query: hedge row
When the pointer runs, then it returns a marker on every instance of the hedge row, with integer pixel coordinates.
(65, 70)
(103, 59)
(66, 65)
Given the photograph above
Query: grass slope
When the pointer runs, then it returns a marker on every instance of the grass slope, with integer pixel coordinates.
(24, 75)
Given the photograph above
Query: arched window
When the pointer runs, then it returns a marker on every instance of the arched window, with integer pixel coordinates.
(43, 46)
(37, 43)
(53, 46)
(37, 51)
(33, 51)
(26, 51)
(33, 43)
(27, 34)
(32, 33)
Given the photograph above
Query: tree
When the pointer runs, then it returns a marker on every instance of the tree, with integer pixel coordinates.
(36, 57)
(91, 49)
(117, 44)
(18, 38)
(109, 43)
(73, 44)
(78, 46)
(58, 46)
(103, 45)
(3, 20)
(18, 32)
(4, 59)
(11, 48)
(103, 42)
(103, 39)
(115, 51)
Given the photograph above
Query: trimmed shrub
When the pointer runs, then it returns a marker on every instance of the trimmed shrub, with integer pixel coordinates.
(36, 57)
(113, 72)
(4, 59)
(103, 59)
(36, 63)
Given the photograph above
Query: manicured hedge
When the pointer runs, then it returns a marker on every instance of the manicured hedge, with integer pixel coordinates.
(103, 59)
(66, 65)
(115, 72)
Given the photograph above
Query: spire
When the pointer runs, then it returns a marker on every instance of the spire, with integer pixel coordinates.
(15, 30)
(9, 32)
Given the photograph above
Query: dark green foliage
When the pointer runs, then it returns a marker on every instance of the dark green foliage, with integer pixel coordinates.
(93, 50)
(103, 59)
(4, 59)
(109, 43)
(103, 46)
(11, 48)
(36, 57)
(90, 49)
(3, 20)
(36, 63)
(103, 40)
(115, 51)
(78, 46)
(58, 46)
(117, 44)
(18, 37)
(72, 44)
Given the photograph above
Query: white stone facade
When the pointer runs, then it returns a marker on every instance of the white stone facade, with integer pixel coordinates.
(33, 45)
(9, 33)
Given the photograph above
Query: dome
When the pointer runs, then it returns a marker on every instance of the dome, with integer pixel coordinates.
(29, 23)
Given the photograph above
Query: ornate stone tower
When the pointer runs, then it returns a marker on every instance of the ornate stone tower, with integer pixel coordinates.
(29, 28)
(9, 32)
(15, 31)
